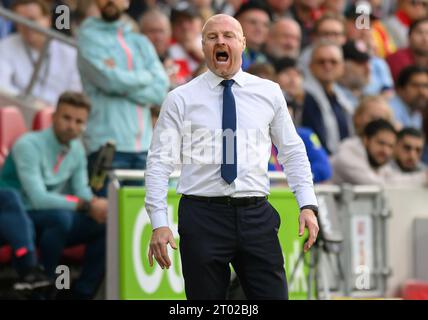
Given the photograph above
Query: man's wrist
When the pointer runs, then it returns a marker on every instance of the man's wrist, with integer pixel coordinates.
(84, 206)
(310, 207)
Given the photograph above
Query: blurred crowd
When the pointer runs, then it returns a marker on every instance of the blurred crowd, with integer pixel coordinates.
(354, 75)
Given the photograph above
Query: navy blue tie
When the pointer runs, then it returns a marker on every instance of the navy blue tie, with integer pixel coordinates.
(229, 165)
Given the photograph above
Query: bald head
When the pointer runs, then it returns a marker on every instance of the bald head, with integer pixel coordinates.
(221, 18)
(284, 39)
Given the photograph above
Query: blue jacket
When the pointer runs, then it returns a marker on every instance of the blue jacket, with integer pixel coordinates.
(320, 164)
(122, 75)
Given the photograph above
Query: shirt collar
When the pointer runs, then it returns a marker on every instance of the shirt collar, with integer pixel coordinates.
(214, 80)
(54, 142)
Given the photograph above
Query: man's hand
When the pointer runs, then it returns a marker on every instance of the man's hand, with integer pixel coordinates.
(307, 219)
(158, 246)
(99, 208)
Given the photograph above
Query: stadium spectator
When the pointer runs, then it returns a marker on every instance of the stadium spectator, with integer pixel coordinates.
(334, 6)
(306, 13)
(412, 96)
(329, 27)
(356, 75)
(408, 151)
(255, 18)
(20, 53)
(326, 110)
(283, 40)
(17, 230)
(49, 168)
(155, 25)
(290, 79)
(204, 8)
(369, 109)
(186, 49)
(280, 8)
(380, 76)
(366, 160)
(123, 76)
(417, 51)
(407, 12)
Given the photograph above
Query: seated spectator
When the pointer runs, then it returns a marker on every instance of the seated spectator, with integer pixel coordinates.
(381, 81)
(329, 27)
(415, 54)
(156, 27)
(279, 8)
(290, 79)
(411, 96)
(306, 13)
(326, 110)
(408, 151)
(17, 230)
(186, 48)
(255, 18)
(20, 52)
(318, 158)
(371, 108)
(407, 12)
(366, 160)
(283, 40)
(49, 168)
(356, 75)
(334, 6)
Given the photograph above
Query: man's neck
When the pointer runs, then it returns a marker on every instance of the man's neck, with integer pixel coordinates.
(421, 60)
(328, 87)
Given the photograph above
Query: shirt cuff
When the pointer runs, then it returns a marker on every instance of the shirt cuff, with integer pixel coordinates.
(158, 219)
(306, 197)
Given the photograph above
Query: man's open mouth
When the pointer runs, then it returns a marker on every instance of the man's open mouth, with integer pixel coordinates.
(221, 56)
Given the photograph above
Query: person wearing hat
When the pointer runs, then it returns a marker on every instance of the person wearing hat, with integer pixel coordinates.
(357, 71)
(255, 18)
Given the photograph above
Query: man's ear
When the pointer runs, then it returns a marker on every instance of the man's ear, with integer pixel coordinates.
(244, 43)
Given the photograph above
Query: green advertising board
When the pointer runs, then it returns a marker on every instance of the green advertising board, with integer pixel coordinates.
(137, 280)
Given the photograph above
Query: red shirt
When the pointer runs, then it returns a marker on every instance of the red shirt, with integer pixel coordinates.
(399, 60)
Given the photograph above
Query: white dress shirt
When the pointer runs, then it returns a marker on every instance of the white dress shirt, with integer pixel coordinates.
(58, 72)
(189, 133)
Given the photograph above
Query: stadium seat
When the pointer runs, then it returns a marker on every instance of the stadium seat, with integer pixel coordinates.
(12, 126)
(415, 290)
(43, 119)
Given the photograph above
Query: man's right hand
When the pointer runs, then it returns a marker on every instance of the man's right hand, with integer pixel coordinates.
(99, 208)
(158, 246)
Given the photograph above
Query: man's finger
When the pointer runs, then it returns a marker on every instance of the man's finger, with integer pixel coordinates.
(158, 255)
(150, 257)
(302, 225)
(165, 257)
(172, 242)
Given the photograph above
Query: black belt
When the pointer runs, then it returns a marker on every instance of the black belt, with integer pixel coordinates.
(239, 202)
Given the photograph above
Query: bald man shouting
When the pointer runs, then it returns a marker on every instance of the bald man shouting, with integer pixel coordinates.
(219, 127)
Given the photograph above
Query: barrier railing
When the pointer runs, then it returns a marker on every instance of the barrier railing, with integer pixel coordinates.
(344, 263)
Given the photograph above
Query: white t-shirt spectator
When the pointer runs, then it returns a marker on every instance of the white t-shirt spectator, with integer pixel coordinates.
(57, 74)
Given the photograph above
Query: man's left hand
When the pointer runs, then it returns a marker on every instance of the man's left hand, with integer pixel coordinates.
(308, 219)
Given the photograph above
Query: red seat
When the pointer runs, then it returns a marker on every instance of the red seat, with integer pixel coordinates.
(415, 290)
(43, 119)
(12, 126)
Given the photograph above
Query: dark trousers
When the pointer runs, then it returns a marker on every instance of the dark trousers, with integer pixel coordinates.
(63, 228)
(121, 160)
(214, 235)
(16, 229)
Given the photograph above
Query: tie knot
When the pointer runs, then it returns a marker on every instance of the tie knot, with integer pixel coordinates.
(227, 83)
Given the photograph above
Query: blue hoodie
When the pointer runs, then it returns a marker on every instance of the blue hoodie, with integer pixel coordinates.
(122, 75)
